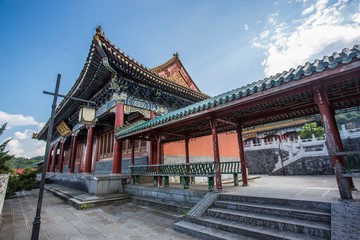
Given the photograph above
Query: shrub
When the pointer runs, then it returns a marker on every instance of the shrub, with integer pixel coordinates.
(21, 182)
(311, 128)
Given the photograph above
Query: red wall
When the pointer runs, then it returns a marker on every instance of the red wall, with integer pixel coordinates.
(203, 146)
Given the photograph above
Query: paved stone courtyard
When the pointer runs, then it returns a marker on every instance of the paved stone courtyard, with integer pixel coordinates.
(130, 221)
(62, 221)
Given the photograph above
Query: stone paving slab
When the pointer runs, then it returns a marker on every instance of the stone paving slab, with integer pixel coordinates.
(62, 221)
(312, 188)
(345, 220)
(129, 221)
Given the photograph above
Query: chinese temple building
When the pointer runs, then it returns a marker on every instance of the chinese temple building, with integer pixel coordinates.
(321, 87)
(145, 117)
(124, 91)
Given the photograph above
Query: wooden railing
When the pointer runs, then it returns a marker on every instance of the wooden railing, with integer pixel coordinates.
(186, 171)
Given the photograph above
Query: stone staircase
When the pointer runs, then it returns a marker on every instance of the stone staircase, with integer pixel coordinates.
(82, 200)
(167, 206)
(244, 217)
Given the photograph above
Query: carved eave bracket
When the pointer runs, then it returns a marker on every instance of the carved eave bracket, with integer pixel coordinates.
(120, 87)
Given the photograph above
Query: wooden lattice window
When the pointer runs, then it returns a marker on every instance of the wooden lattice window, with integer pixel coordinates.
(125, 146)
(106, 145)
(140, 147)
(143, 146)
(66, 156)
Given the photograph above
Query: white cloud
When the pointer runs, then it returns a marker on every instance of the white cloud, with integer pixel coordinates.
(20, 135)
(356, 17)
(22, 145)
(40, 126)
(16, 120)
(272, 18)
(264, 34)
(246, 27)
(287, 45)
(321, 4)
(308, 10)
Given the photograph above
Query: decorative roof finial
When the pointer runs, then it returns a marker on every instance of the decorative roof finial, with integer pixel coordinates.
(99, 30)
(176, 55)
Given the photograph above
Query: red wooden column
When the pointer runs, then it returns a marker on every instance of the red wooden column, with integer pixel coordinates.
(62, 146)
(187, 160)
(333, 141)
(241, 154)
(153, 153)
(152, 145)
(132, 160)
(213, 126)
(117, 155)
(73, 152)
(97, 148)
(187, 155)
(89, 148)
(49, 160)
(159, 158)
(54, 157)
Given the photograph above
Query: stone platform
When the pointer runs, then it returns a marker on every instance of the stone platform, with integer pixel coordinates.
(91, 183)
(82, 200)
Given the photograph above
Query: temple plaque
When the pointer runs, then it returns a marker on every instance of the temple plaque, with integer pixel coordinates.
(63, 129)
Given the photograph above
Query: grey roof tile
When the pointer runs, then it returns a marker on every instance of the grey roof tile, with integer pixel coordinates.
(345, 57)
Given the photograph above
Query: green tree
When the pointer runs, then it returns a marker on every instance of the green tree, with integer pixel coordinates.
(311, 128)
(349, 117)
(4, 156)
(21, 182)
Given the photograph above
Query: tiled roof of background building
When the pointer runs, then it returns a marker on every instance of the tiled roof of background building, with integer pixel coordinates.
(301, 72)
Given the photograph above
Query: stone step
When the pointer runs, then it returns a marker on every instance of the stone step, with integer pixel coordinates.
(82, 200)
(252, 231)
(207, 233)
(201, 206)
(157, 203)
(314, 228)
(286, 211)
(298, 204)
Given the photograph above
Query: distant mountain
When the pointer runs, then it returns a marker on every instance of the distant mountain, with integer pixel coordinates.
(20, 162)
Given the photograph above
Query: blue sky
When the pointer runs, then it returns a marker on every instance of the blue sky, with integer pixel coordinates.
(223, 45)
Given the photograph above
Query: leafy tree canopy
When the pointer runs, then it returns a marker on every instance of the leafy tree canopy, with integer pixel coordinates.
(311, 128)
(349, 117)
(4, 156)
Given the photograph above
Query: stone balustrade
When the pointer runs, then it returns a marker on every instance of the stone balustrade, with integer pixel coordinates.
(4, 178)
(300, 148)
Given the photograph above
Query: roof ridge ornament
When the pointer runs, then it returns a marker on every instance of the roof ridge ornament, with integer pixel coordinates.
(99, 30)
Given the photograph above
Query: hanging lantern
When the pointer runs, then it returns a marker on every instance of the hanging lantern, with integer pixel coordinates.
(86, 115)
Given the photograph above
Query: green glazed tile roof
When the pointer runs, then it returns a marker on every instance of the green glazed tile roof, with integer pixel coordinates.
(328, 62)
